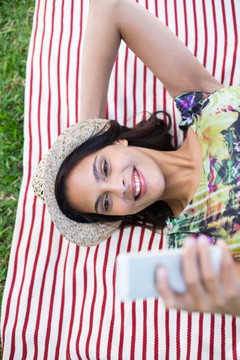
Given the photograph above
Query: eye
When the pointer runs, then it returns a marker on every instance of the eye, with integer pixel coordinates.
(106, 203)
(105, 168)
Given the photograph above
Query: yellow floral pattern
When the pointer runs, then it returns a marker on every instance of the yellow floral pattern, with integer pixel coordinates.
(215, 208)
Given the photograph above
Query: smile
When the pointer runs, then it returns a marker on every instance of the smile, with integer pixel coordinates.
(137, 182)
(139, 185)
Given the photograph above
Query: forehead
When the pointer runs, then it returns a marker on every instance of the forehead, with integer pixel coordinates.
(81, 185)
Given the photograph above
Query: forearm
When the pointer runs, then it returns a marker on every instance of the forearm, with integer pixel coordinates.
(162, 52)
(102, 40)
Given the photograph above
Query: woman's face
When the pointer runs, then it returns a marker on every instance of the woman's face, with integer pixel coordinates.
(116, 180)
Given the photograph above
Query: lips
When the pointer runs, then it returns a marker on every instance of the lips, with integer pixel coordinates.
(139, 185)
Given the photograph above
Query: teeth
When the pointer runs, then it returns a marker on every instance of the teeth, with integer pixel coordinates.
(138, 185)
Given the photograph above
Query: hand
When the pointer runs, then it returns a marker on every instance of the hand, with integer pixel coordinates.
(206, 290)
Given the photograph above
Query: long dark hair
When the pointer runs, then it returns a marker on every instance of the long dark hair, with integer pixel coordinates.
(152, 133)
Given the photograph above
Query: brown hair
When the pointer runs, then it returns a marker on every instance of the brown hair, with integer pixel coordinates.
(152, 133)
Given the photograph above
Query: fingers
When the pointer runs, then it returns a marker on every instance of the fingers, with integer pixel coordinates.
(170, 299)
(207, 290)
(192, 274)
(227, 268)
(229, 281)
(209, 277)
(194, 298)
(163, 287)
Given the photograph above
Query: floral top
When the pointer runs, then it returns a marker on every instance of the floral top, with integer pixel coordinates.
(215, 208)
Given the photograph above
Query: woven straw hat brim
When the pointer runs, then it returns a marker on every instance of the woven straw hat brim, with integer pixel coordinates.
(45, 177)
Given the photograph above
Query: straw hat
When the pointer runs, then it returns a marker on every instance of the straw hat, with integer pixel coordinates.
(85, 234)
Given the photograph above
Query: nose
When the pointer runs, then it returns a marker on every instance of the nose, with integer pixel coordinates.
(116, 186)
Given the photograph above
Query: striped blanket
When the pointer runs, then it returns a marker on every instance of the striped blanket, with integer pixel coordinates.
(59, 300)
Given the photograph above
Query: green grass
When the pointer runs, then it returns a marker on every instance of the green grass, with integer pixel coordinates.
(15, 30)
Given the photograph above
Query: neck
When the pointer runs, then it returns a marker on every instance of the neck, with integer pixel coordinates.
(182, 171)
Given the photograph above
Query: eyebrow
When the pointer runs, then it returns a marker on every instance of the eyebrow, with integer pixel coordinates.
(95, 172)
(97, 177)
(97, 204)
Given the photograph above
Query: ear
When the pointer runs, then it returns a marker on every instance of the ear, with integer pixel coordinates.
(122, 142)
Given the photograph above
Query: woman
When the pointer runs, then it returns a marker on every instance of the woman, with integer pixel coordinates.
(120, 174)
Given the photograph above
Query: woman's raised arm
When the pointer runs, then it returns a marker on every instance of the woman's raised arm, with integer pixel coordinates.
(162, 52)
(101, 43)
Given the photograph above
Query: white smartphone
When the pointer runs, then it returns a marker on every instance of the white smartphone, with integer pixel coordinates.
(135, 273)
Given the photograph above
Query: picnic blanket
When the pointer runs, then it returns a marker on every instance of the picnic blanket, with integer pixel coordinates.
(59, 300)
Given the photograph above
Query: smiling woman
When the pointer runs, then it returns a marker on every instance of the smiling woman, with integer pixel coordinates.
(99, 176)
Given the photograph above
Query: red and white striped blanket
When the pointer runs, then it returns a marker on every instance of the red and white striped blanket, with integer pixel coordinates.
(59, 300)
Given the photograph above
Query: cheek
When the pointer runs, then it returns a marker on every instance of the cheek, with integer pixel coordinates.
(122, 208)
(132, 207)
